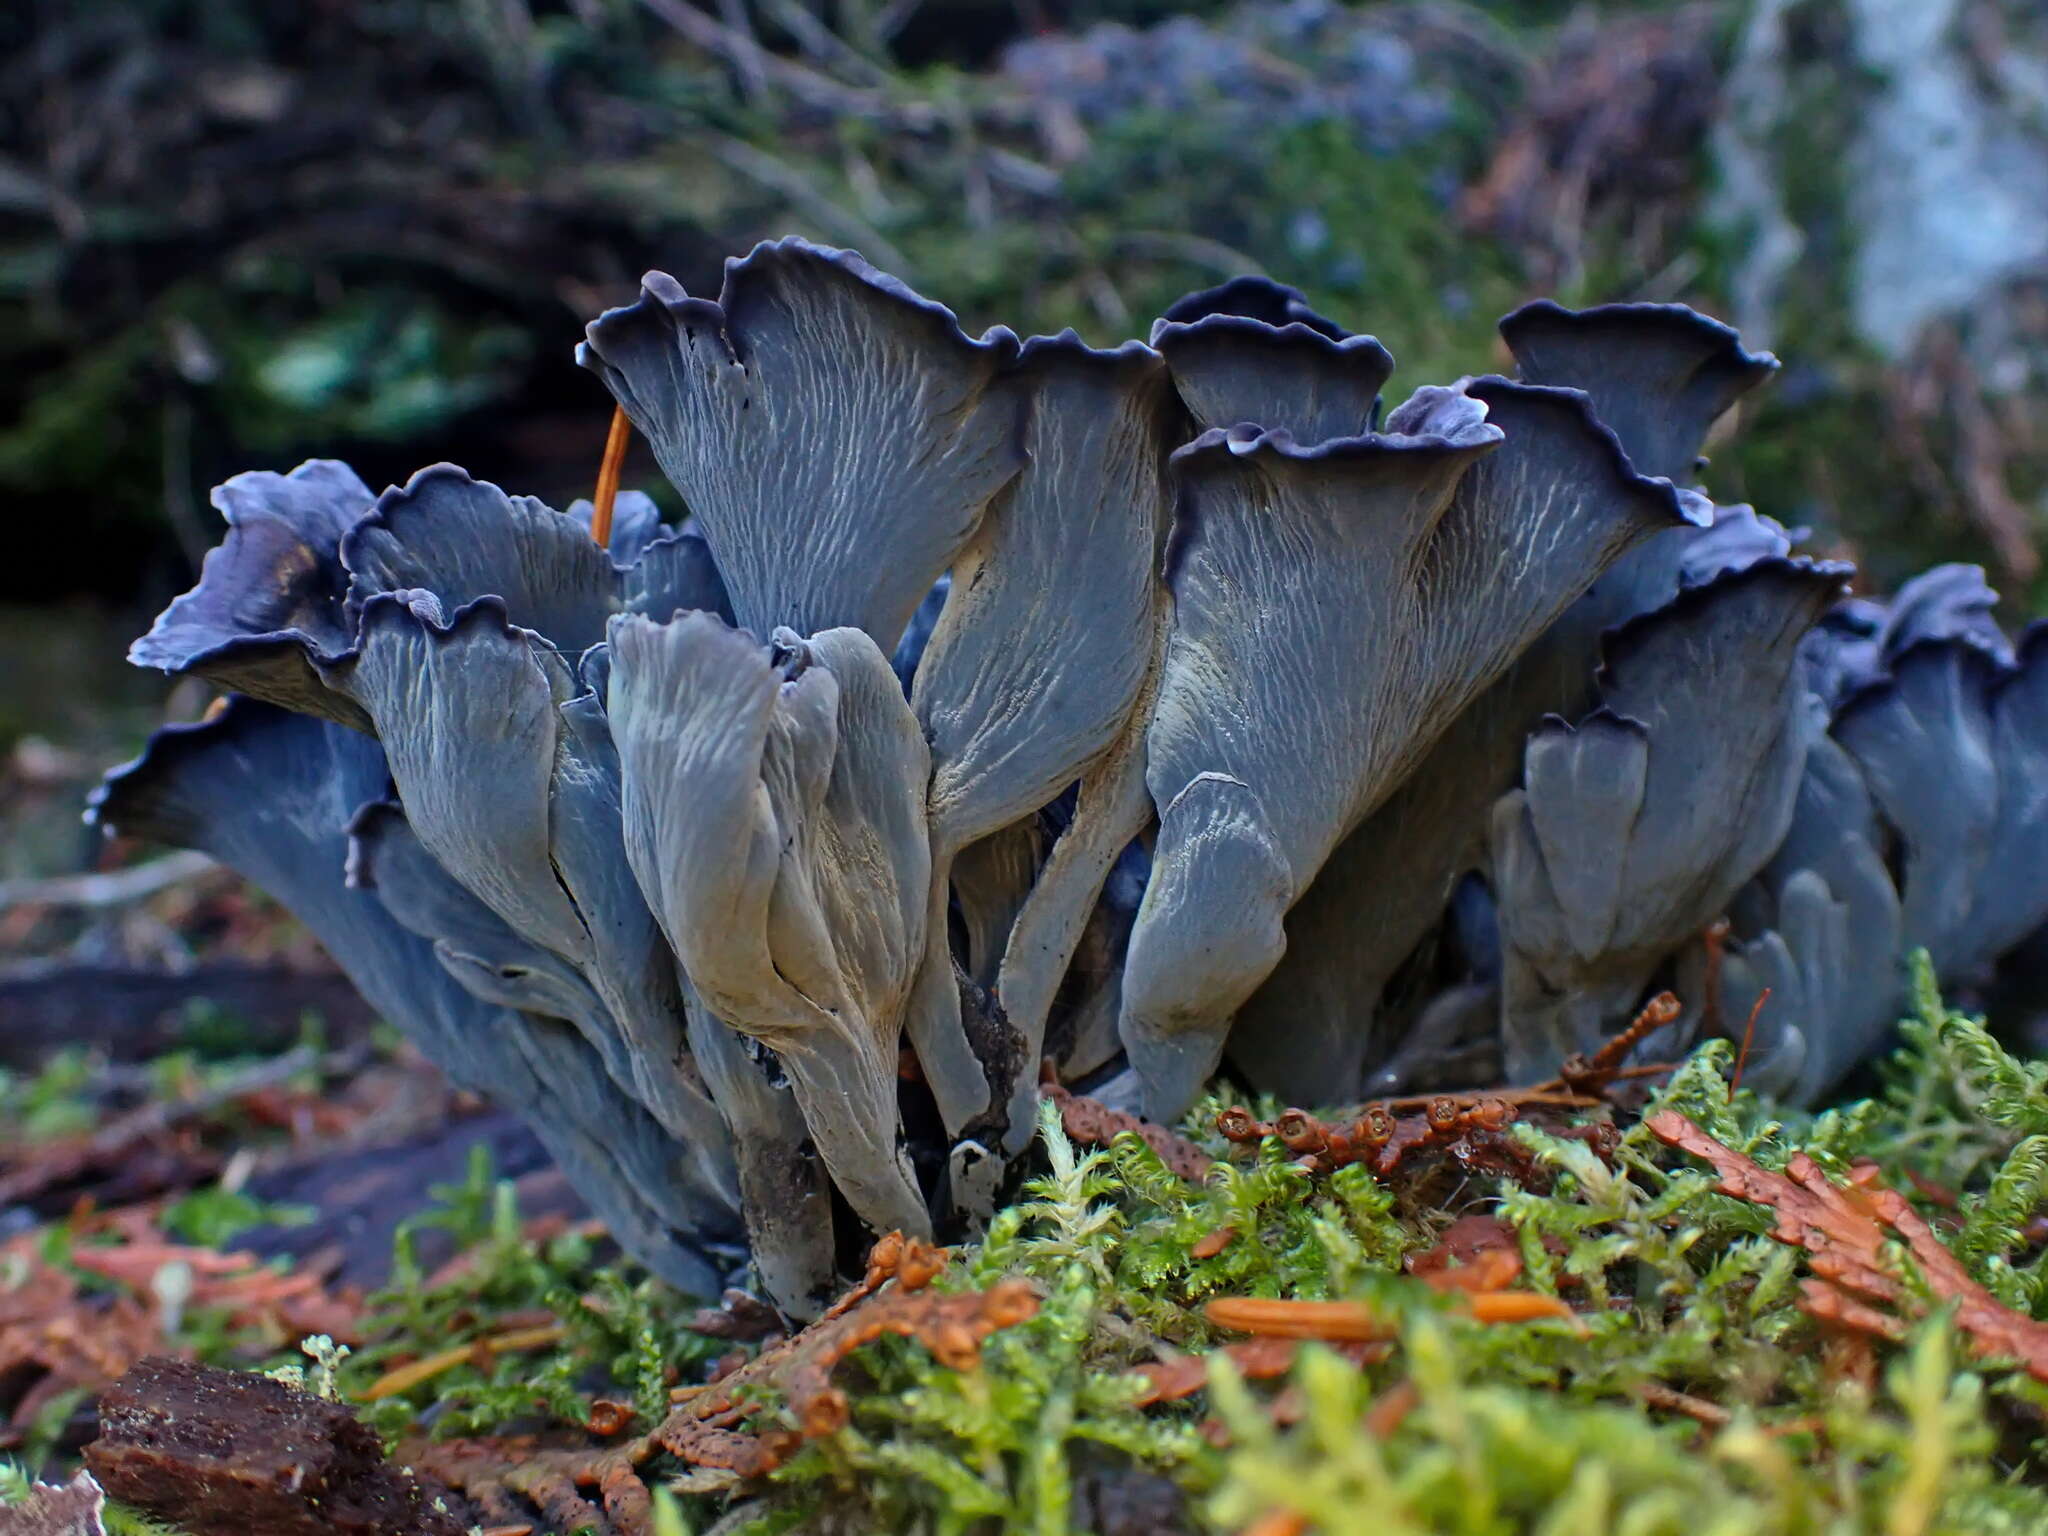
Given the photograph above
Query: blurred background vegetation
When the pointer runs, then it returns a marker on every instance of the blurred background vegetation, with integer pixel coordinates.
(235, 233)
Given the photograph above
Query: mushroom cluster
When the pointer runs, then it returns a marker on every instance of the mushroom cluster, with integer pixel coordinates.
(1008, 706)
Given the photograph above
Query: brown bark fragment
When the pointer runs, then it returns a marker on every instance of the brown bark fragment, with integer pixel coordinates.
(214, 1450)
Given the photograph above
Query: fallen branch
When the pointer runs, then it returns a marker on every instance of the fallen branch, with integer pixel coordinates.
(108, 888)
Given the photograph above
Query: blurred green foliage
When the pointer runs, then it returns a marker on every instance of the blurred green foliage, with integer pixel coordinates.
(234, 234)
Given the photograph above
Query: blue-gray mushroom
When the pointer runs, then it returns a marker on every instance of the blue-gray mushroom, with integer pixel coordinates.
(1531, 527)
(271, 596)
(271, 795)
(1103, 712)
(1230, 368)
(836, 436)
(1951, 741)
(1635, 826)
(1820, 929)
(1034, 679)
(1296, 589)
(774, 814)
(1656, 377)
(1659, 375)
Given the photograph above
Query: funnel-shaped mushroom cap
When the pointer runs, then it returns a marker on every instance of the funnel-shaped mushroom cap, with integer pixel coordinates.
(269, 794)
(1660, 375)
(271, 593)
(1035, 668)
(279, 603)
(1294, 576)
(1635, 827)
(774, 816)
(1254, 298)
(515, 793)
(1228, 370)
(1734, 539)
(1945, 602)
(836, 436)
(1530, 528)
(1953, 744)
(694, 1187)
(255, 788)
(1825, 888)
(1666, 373)
(1858, 641)
(1040, 652)
(463, 539)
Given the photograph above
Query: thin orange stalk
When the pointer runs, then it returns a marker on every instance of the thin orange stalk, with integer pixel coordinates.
(1748, 1035)
(608, 477)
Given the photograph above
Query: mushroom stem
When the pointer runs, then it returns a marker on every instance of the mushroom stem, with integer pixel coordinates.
(608, 477)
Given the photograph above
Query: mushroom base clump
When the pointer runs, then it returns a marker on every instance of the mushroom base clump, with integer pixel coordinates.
(1012, 710)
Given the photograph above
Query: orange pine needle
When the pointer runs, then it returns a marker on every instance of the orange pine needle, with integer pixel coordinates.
(405, 1377)
(608, 477)
(1296, 1319)
(1518, 1307)
(1339, 1321)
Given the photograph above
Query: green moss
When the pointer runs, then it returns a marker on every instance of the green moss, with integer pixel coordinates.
(1539, 1427)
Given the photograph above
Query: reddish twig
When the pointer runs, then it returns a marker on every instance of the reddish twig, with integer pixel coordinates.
(1592, 1075)
(1093, 1124)
(1356, 1322)
(704, 1428)
(1748, 1037)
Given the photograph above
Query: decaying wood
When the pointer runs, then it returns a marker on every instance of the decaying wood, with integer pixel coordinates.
(215, 1450)
(32, 1171)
